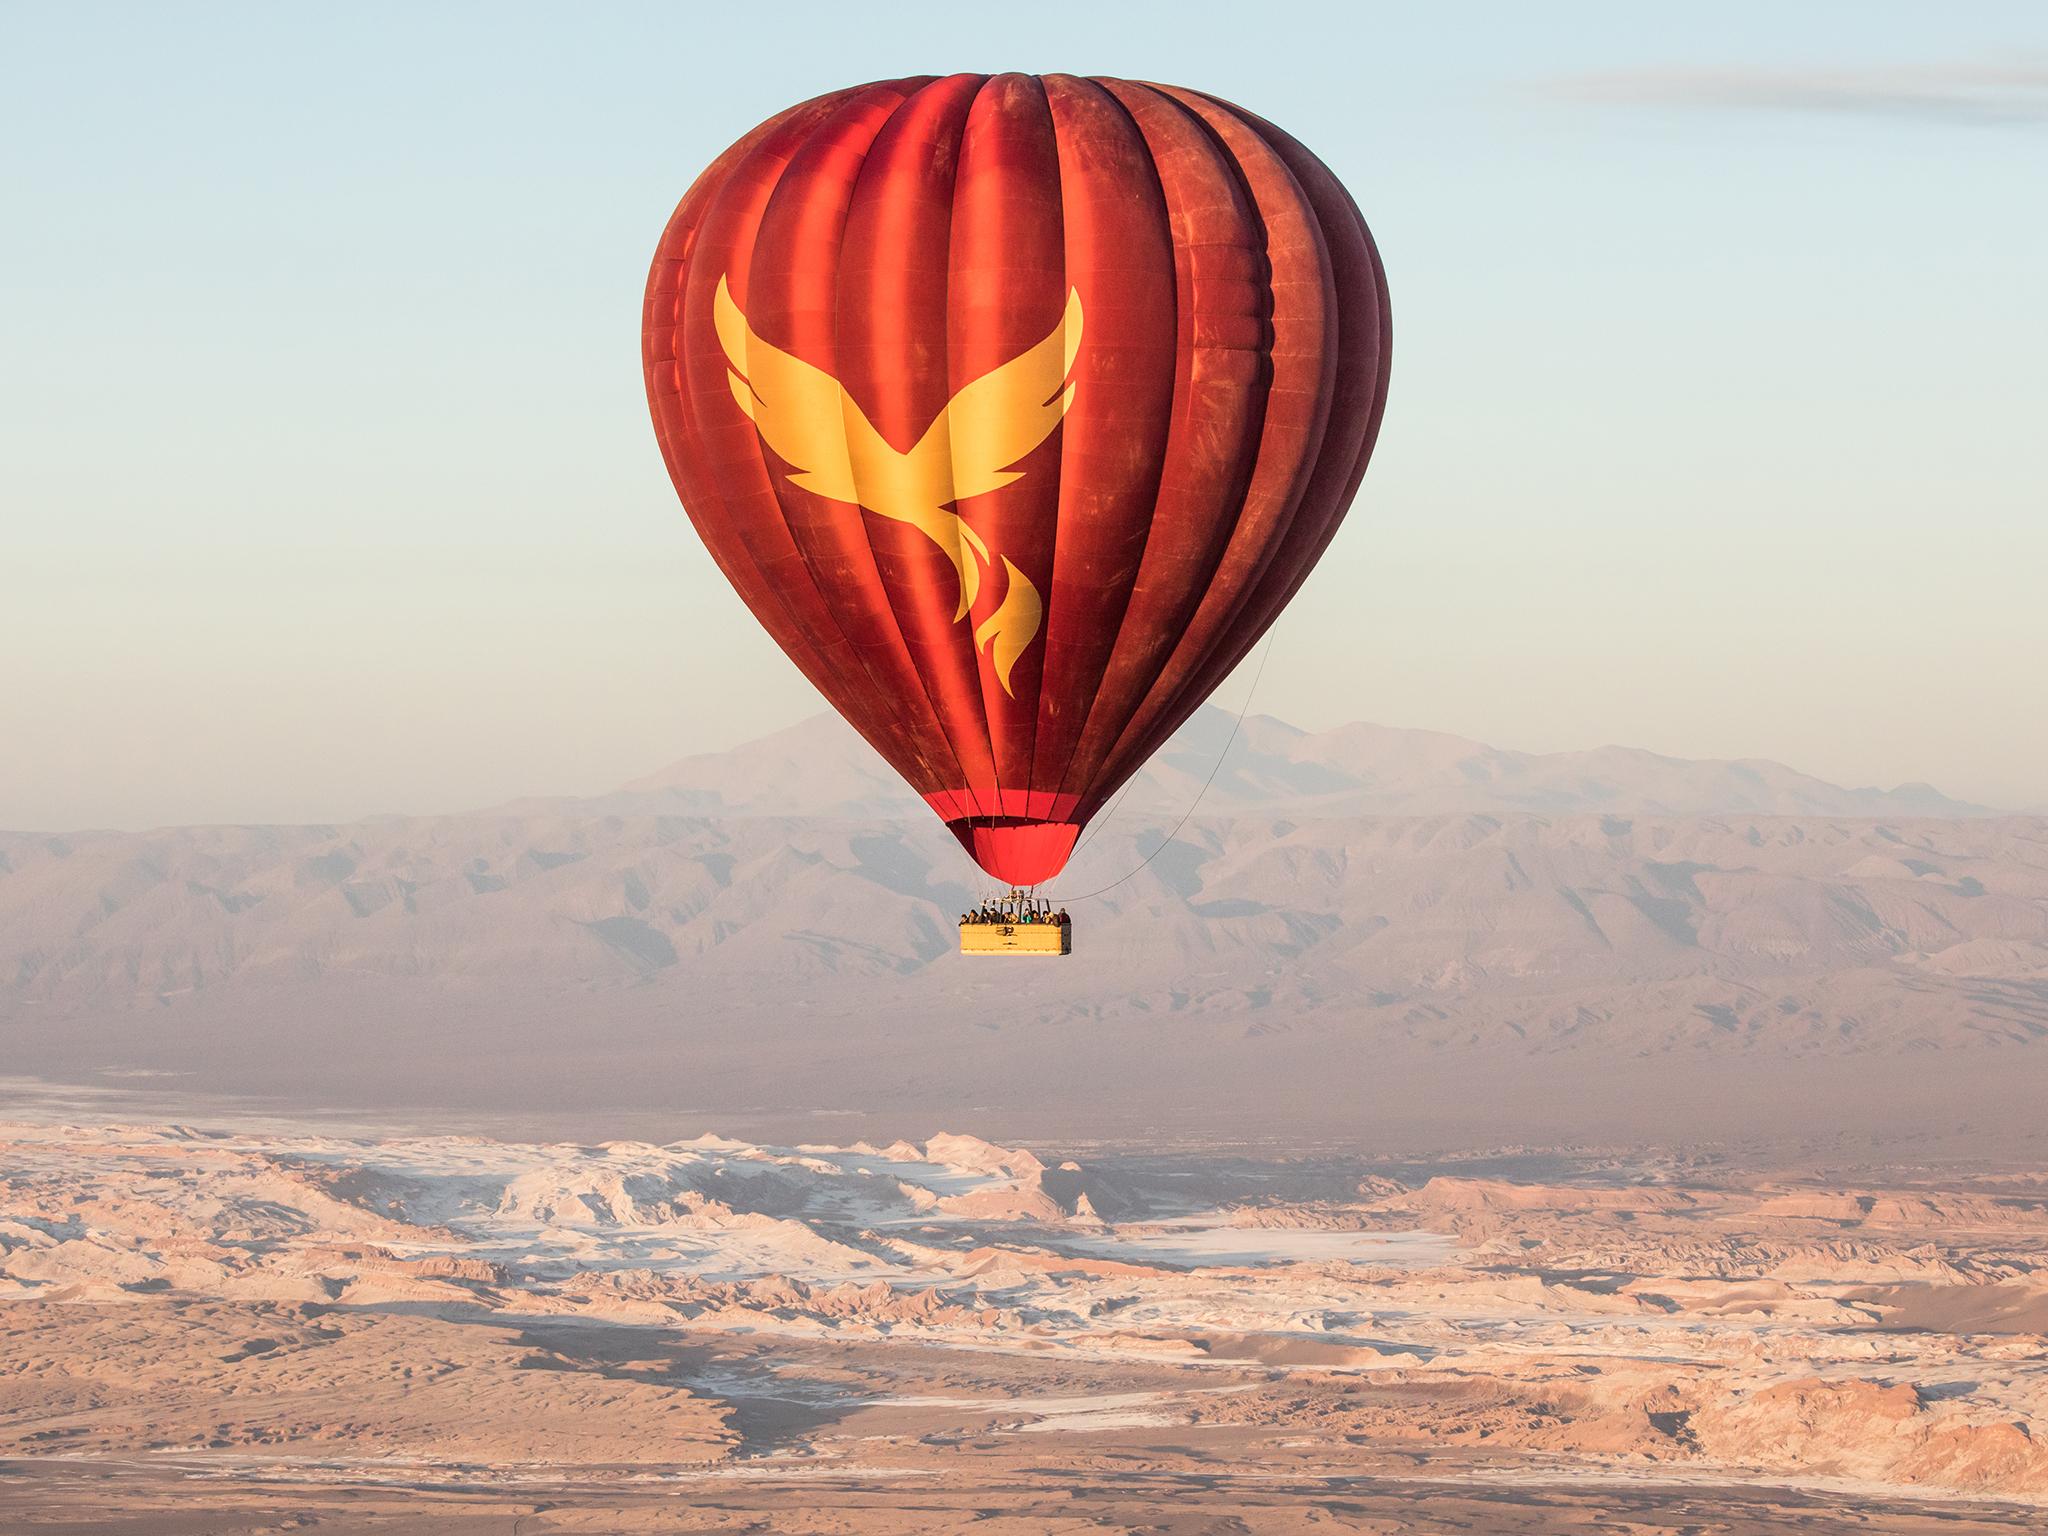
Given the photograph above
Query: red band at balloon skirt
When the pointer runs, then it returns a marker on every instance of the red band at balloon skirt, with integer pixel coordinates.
(1021, 836)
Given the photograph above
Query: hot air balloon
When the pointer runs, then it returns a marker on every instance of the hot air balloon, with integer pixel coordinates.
(1016, 408)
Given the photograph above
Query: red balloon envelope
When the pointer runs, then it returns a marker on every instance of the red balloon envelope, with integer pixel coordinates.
(1016, 408)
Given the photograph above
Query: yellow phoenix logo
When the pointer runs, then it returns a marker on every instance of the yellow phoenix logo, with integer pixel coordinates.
(814, 425)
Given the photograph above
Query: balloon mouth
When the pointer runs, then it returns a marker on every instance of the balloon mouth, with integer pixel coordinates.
(1015, 851)
(1002, 806)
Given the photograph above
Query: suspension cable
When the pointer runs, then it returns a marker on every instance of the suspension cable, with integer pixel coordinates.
(1105, 818)
(1236, 726)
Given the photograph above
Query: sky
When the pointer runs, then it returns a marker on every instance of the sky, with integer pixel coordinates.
(327, 486)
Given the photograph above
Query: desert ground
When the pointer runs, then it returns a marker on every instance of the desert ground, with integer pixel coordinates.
(292, 1327)
(1424, 1137)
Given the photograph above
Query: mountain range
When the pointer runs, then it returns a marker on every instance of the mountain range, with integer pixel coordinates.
(821, 768)
(771, 930)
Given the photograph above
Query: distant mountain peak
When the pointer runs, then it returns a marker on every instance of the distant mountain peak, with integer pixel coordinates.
(821, 767)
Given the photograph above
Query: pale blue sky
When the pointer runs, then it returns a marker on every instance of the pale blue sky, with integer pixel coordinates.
(326, 485)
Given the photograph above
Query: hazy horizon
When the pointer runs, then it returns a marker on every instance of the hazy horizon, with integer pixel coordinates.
(1714, 421)
(1220, 716)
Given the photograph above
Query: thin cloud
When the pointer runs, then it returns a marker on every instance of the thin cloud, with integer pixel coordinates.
(1952, 93)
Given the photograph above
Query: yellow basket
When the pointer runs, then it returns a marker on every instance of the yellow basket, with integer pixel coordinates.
(1016, 938)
